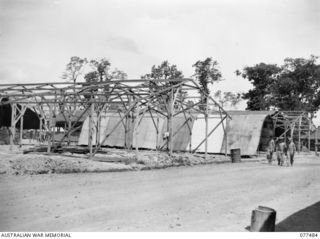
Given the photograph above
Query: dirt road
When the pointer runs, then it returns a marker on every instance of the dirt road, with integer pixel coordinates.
(200, 198)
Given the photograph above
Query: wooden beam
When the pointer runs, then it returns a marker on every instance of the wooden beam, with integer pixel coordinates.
(21, 130)
(299, 134)
(225, 135)
(91, 112)
(206, 130)
(72, 127)
(21, 117)
(13, 125)
(50, 122)
(210, 133)
(135, 129)
(177, 131)
(316, 141)
(309, 129)
(170, 121)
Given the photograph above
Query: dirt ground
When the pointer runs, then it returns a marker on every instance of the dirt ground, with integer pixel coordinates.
(109, 160)
(215, 197)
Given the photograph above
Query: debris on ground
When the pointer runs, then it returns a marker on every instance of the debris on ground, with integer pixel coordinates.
(15, 162)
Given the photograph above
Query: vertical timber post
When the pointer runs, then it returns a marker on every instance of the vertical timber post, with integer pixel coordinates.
(69, 127)
(299, 135)
(128, 139)
(90, 129)
(292, 130)
(190, 145)
(50, 123)
(97, 128)
(13, 125)
(54, 119)
(135, 129)
(309, 135)
(126, 127)
(206, 121)
(40, 129)
(285, 130)
(21, 124)
(157, 139)
(170, 123)
(316, 141)
(226, 137)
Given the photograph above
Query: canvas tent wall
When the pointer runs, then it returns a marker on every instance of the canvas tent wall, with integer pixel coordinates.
(148, 137)
(248, 130)
(149, 133)
(215, 140)
(119, 136)
(84, 135)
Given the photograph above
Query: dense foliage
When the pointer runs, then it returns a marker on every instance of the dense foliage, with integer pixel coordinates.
(206, 72)
(293, 86)
(164, 71)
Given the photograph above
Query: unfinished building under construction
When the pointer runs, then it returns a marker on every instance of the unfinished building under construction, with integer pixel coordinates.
(165, 115)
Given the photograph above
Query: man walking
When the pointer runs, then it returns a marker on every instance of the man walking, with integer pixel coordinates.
(282, 152)
(271, 149)
(292, 150)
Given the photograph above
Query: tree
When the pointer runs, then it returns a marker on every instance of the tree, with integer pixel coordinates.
(298, 87)
(227, 97)
(92, 76)
(164, 71)
(74, 68)
(293, 86)
(206, 73)
(262, 76)
(118, 75)
(100, 72)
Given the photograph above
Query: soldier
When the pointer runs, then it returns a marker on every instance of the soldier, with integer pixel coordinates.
(282, 149)
(292, 150)
(271, 149)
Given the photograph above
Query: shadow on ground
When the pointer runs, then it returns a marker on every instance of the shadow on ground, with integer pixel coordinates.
(305, 220)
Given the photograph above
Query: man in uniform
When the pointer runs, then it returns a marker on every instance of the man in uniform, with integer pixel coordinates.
(292, 150)
(271, 149)
(282, 152)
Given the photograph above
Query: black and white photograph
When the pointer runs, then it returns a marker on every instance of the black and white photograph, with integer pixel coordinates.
(159, 116)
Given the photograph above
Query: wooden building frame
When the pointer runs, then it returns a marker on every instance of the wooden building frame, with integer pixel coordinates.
(130, 98)
(294, 124)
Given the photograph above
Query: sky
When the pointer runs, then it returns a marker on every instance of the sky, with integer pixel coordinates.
(38, 37)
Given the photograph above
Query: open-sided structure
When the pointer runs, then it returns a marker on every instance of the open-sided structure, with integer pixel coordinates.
(169, 115)
(136, 102)
(251, 131)
(294, 124)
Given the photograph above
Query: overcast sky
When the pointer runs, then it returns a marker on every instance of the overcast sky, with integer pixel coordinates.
(37, 37)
